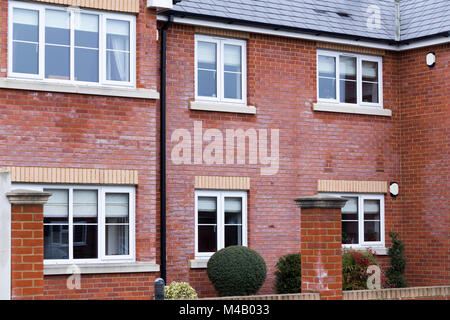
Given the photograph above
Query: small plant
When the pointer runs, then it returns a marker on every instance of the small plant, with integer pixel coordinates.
(354, 269)
(288, 277)
(179, 291)
(394, 273)
(236, 271)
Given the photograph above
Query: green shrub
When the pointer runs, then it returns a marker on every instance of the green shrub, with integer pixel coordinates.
(236, 271)
(354, 269)
(394, 273)
(179, 291)
(288, 277)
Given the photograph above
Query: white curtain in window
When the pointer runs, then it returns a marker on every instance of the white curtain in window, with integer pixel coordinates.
(118, 44)
(327, 65)
(370, 69)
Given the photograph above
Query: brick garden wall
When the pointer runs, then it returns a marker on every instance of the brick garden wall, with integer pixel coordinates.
(313, 145)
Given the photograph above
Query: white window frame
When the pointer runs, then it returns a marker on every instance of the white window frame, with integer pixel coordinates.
(220, 84)
(361, 197)
(103, 16)
(220, 195)
(101, 245)
(359, 59)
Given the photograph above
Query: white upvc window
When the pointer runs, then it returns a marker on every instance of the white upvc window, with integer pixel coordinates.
(220, 69)
(71, 45)
(362, 220)
(220, 221)
(349, 79)
(88, 224)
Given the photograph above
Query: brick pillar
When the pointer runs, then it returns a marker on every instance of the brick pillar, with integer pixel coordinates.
(27, 243)
(321, 245)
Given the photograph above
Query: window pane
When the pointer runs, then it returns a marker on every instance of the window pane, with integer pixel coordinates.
(25, 57)
(232, 58)
(207, 54)
(327, 66)
(348, 91)
(116, 205)
(327, 88)
(118, 50)
(56, 225)
(233, 85)
(118, 35)
(207, 210)
(350, 232)
(86, 47)
(233, 236)
(57, 205)
(371, 210)
(207, 69)
(117, 239)
(57, 27)
(117, 66)
(207, 228)
(207, 238)
(85, 241)
(233, 221)
(371, 231)
(370, 71)
(86, 65)
(117, 226)
(347, 68)
(207, 83)
(25, 25)
(370, 92)
(85, 204)
(56, 240)
(371, 220)
(57, 62)
(86, 30)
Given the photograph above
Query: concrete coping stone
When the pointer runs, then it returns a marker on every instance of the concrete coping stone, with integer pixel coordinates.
(25, 196)
(321, 201)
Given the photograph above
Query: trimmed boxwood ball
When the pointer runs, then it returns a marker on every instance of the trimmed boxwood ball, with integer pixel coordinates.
(236, 271)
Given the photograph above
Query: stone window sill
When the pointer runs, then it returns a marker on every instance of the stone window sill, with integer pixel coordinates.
(345, 108)
(199, 263)
(379, 251)
(36, 85)
(221, 107)
(96, 268)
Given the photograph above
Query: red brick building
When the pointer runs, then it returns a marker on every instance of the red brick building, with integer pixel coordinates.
(260, 110)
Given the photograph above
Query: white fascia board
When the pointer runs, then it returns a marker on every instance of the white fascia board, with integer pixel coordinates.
(305, 36)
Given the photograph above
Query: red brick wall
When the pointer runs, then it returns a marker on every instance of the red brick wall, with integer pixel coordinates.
(425, 155)
(313, 145)
(27, 252)
(85, 131)
(135, 286)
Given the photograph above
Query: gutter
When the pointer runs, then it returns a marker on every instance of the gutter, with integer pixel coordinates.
(162, 148)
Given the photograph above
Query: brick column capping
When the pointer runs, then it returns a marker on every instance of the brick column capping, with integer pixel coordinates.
(27, 243)
(321, 245)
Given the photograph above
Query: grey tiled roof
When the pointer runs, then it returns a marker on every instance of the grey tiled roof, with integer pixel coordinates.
(421, 18)
(347, 17)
